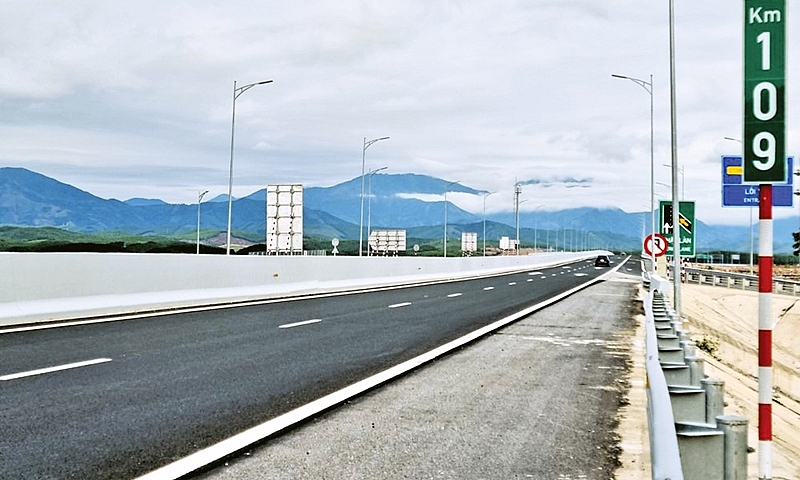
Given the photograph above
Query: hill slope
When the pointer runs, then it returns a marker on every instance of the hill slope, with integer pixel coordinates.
(398, 201)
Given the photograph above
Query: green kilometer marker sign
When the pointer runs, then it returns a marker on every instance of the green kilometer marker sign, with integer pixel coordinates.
(764, 91)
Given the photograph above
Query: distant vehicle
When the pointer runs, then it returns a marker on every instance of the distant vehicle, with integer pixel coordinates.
(602, 261)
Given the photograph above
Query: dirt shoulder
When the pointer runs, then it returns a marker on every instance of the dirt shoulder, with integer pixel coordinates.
(729, 319)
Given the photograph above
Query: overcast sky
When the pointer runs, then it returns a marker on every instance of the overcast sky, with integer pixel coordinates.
(133, 99)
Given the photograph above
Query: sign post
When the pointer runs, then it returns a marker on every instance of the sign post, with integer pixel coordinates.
(764, 154)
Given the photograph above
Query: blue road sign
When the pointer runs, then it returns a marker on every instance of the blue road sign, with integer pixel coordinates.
(736, 194)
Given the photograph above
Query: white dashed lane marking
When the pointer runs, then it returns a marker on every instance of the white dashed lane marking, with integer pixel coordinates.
(300, 324)
(453, 295)
(58, 368)
(397, 305)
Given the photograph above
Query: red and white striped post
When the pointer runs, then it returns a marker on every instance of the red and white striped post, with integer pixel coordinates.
(764, 141)
(765, 331)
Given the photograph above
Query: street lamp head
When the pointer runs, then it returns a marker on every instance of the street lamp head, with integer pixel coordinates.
(642, 83)
(368, 143)
(265, 81)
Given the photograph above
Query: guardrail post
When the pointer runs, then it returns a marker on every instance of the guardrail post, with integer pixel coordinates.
(683, 334)
(735, 451)
(702, 451)
(688, 348)
(715, 398)
(696, 372)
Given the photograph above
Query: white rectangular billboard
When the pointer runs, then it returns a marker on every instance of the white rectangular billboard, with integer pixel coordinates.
(469, 242)
(284, 219)
(387, 241)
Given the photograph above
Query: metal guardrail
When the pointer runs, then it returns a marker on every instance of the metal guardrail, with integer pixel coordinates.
(741, 281)
(664, 455)
(690, 437)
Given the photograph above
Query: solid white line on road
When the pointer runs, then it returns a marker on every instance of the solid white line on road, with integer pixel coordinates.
(453, 295)
(299, 324)
(396, 305)
(488, 288)
(42, 371)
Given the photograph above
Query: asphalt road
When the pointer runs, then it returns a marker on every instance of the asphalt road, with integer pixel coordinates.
(538, 399)
(165, 387)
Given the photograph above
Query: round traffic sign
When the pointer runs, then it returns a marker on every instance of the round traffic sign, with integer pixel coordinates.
(656, 245)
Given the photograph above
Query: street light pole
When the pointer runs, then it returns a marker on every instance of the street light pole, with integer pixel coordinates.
(683, 178)
(361, 215)
(445, 217)
(535, 228)
(236, 93)
(676, 203)
(369, 203)
(486, 194)
(517, 192)
(200, 196)
(648, 86)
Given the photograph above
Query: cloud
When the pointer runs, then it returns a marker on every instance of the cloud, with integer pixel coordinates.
(481, 92)
(568, 182)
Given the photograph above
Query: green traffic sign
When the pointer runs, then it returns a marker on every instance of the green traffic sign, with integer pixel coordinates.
(764, 91)
(687, 223)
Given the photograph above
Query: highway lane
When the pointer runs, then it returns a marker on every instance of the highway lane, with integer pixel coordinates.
(171, 385)
(493, 409)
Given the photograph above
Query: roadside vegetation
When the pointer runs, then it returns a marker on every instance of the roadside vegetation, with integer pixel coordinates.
(708, 345)
(51, 239)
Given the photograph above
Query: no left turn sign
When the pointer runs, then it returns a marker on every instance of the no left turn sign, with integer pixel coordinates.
(655, 245)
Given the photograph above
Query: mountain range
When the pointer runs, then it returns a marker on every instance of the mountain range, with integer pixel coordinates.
(28, 198)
